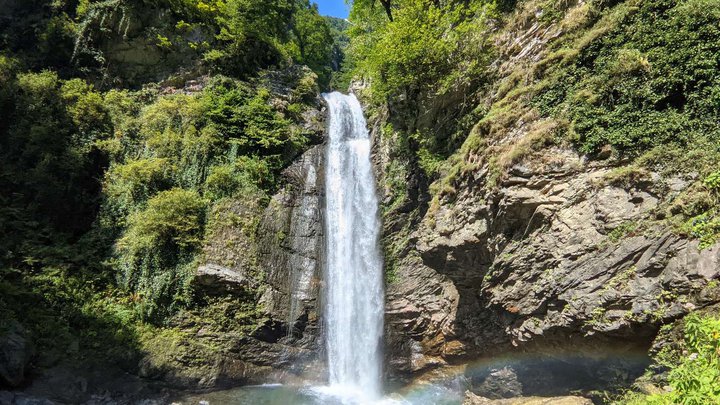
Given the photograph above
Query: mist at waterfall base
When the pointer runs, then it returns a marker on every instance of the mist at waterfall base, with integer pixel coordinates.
(541, 374)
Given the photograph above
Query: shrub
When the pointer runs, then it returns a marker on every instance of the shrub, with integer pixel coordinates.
(696, 379)
(705, 227)
(131, 184)
(85, 106)
(156, 251)
(40, 86)
(245, 175)
(172, 218)
(712, 182)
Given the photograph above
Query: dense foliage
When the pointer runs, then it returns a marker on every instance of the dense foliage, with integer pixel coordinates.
(651, 80)
(695, 375)
(429, 65)
(125, 125)
(131, 42)
(428, 46)
(174, 158)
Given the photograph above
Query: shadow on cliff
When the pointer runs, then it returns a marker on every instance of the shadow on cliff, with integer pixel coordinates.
(545, 374)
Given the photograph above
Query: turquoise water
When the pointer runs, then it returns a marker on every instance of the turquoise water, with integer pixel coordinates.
(289, 395)
(539, 375)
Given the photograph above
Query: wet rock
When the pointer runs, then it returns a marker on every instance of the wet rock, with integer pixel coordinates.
(472, 399)
(6, 397)
(27, 400)
(291, 243)
(14, 354)
(502, 383)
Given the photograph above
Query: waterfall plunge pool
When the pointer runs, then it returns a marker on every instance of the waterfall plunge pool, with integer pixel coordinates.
(275, 394)
(586, 373)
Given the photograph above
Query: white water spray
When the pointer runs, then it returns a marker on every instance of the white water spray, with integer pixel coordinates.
(354, 289)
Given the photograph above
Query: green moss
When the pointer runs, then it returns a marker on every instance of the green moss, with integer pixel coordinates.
(706, 228)
(623, 230)
(394, 250)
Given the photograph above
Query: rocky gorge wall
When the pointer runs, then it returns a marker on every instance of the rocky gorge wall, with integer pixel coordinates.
(558, 262)
(548, 255)
(536, 266)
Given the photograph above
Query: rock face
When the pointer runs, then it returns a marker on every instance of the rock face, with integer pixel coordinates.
(259, 277)
(218, 279)
(14, 354)
(135, 55)
(552, 253)
(291, 248)
(552, 259)
(272, 255)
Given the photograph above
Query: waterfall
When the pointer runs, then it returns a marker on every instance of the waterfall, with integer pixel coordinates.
(354, 300)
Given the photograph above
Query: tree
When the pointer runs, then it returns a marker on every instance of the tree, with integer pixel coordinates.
(313, 37)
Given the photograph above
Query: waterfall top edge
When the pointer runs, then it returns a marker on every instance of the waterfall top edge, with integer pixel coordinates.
(338, 95)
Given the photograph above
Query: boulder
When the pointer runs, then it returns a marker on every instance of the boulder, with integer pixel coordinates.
(215, 279)
(14, 354)
(472, 399)
(500, 383)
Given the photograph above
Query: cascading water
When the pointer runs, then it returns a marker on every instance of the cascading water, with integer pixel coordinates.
(353, 283)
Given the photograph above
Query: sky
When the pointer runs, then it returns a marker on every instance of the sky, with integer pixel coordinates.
(335, 8)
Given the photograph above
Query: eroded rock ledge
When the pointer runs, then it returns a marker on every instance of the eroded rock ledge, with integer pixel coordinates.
(554, 257)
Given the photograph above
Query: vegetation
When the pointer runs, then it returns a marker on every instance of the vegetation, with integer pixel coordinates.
(130, 127)
(124, 129)
(695, 376)
(427, 46)
(431, 50)
(646, 82)
(634, 79)
(706, 225)
(237, 37)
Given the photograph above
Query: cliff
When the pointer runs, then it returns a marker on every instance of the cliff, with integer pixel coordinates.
(525, 259)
